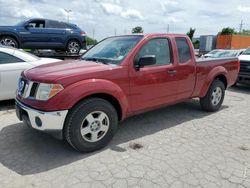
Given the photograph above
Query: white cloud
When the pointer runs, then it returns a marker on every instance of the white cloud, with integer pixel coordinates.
(131, 13)
(113, 9)
(245, 9)
(110, 8)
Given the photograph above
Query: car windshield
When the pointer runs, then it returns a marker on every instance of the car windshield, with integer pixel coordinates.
(246, 52)
(224, 53)
(112, 50)
(20, 23)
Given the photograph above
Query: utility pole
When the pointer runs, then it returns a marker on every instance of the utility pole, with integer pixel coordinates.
(241, 26)
(168, 28)
(68, 11)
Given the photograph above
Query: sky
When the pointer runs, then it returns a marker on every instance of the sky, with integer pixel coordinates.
(102, 18)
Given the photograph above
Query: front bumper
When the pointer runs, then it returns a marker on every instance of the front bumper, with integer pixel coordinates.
(50, 122)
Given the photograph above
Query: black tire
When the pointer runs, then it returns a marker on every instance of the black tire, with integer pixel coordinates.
(207, 101)
(8, 41)
(73, 46)
(75, 121)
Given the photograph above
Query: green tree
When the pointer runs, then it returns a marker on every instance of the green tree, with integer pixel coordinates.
(227, 31)
(191, 32)
(196, 44)
(137, 29)
(90, 41)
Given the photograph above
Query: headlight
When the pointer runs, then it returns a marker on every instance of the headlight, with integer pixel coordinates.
(46, 91)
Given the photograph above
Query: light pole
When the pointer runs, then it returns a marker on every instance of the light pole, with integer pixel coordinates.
(68, 11)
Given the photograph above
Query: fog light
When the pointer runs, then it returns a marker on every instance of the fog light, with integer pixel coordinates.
(38, 121)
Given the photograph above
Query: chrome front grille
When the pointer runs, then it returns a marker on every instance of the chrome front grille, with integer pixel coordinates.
(245, 67)
(27, 89)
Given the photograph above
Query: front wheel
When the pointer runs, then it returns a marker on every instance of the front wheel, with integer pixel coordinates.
(73, 47)
(91, 124)
(8, 41)
(214, 97)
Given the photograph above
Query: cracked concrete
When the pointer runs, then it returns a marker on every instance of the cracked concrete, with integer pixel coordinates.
(182, 146)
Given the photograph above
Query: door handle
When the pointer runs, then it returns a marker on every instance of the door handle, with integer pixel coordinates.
(172, 72)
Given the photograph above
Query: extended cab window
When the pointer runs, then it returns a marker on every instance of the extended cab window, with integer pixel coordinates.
(159, 48)
(6, 58)
(183, 49)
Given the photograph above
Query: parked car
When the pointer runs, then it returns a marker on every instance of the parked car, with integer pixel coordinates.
(82, 101)
(12, 63)
(244, 74)
(44, 34)
(224, 53)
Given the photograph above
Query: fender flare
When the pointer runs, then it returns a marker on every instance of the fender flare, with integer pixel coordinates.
(83, 89)
(217, 71)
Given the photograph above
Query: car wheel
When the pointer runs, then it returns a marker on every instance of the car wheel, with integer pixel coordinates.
(91, 124)
(73, 47)
(8, 41)
(214, 97)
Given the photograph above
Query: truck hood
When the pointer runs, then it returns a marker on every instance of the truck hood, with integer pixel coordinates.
(7, 28)
(67, 72)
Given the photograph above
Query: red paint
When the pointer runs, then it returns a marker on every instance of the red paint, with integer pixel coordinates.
(136, 91)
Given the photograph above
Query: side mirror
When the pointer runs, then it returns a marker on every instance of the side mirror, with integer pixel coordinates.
(145, 61)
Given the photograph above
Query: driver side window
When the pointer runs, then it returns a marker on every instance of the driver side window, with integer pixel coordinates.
(159, 48)
(37, 24)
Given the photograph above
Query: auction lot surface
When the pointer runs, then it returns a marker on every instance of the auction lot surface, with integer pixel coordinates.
(178, 146)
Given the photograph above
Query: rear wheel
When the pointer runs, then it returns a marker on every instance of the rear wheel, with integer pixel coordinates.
(73, 46)
(214, 97)
(91, 124)
(8, 41)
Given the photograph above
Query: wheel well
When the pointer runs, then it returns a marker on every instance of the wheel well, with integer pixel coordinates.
(110, 99)
(13, 36)
(70, 39)
(222, 78)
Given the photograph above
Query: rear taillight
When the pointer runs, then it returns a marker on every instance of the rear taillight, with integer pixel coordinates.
(83, 33)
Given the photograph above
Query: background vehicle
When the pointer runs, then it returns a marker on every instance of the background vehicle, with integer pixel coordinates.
(44, 34)
(82, 101)
(224, 53)
(244, 74)
(12, 63)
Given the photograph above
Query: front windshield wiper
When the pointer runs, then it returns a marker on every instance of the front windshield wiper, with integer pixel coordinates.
(97, 60)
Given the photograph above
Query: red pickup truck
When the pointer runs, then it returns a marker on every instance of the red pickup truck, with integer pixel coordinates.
(82, 101)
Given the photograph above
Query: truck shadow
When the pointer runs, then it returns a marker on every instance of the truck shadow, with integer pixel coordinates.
(241, 88)
(7, 105)
(27, 151)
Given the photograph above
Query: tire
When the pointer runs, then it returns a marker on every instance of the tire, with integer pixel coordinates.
(73, 47)
(214, 97)
(87, 122)
(8, 41)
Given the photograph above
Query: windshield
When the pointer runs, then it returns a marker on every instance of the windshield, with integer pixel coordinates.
(20, 23)
(224, 53)
(112, 50)
(247, 52)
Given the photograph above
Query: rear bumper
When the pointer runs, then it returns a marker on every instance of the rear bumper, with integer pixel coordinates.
(50, 122)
